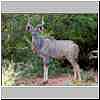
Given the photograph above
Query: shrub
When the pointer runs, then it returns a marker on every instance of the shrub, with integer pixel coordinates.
(8, 74)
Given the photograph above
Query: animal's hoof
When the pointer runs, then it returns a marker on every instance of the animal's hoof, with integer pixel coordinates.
(77, 82)
(45, 82)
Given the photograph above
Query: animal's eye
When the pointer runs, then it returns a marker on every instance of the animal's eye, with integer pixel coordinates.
(40, 28)
(28, 27)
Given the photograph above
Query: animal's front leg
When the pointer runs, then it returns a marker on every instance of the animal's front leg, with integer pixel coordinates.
(45, 66)
(45, 72)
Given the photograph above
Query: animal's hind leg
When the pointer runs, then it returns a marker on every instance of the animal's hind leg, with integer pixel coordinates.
(76, 69)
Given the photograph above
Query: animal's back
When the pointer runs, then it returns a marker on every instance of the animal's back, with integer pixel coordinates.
(60, 48)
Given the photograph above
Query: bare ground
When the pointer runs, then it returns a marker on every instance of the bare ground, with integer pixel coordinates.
(54, 81)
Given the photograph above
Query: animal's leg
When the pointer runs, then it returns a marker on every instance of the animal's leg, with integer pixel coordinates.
(76, 69)
(75, 74)
(78, 72)
(45, 62)
(45, 72)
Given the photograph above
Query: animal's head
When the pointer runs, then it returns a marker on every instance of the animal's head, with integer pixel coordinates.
(29, 27)
(38, 28)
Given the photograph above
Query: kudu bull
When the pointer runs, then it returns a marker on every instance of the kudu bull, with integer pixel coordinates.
(59, 49)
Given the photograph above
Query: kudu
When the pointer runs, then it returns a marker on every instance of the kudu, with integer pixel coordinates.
(58, 49)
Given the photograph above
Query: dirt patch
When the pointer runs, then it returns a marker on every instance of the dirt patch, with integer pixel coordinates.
(53, 81)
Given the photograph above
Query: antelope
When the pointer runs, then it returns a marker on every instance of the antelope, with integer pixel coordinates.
(51, 48)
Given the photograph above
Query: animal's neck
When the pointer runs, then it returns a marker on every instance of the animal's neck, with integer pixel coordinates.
(38, 41)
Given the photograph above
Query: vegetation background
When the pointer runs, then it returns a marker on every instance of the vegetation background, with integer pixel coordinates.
(18, 60)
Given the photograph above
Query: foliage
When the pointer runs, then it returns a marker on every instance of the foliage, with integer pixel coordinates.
(8, 74)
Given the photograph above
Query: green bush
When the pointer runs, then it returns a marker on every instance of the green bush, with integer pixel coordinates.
(8, 73)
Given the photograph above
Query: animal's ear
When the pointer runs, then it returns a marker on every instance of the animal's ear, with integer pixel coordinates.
(29, 26)
(30, 20)
(45, 26)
